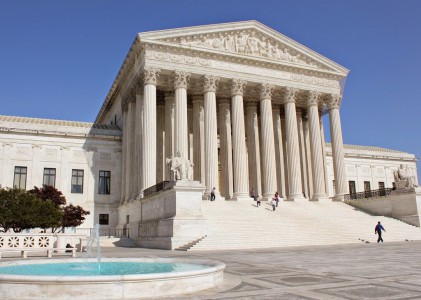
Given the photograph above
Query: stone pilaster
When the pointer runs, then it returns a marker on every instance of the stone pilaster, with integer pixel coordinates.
(169, 129)
(211, 135)
(316, 147)
(268, 143)
(132, 176)
(341, 189)
(138, 137)
(253, 146)
(279, 152)
(149, 127)
(225, 146)
(160, 142)
(293, 152)
(124, 150)
(199, 139)
(240, 162)
(181, 80)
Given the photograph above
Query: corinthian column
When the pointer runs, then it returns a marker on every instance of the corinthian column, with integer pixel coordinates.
(225, 148)
(253, 147)
(181, 142)
(149, 156)
(199, 139)
(316, 146)
(293, 152)
(169, 129)
(211, 136)
(279, 151)
(333, 103)
(124, 107)
(268, 142)
(240, 162)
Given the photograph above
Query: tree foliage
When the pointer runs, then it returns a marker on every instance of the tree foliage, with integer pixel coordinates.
(48, 192)
(20, 210)
(73, 216)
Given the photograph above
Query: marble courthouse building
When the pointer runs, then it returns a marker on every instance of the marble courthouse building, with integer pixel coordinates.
(241, 101)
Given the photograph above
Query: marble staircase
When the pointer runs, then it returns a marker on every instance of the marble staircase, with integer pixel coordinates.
(242, 225)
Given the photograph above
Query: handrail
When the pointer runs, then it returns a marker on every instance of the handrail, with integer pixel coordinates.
(162, 186)
(368, 194)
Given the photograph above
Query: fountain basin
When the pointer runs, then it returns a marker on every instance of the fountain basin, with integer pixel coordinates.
(129, 286)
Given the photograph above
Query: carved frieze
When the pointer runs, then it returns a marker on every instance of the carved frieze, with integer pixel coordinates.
(240, 68)
(247, 42)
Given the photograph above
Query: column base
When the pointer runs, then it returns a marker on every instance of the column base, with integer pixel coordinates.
(339, 198)
(296, 197)
(241, 197)
(319, 198)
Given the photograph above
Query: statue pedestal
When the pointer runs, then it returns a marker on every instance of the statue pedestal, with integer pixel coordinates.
(400, 184)
(173, 218)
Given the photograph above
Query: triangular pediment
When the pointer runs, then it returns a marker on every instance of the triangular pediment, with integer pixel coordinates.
(248, 39)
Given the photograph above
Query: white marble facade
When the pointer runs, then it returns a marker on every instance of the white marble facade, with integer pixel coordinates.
(240, 100)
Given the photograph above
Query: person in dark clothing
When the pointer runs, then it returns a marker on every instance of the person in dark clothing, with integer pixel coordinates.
(378, 230)
(213, 194)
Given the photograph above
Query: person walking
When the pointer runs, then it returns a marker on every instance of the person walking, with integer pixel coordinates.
(213, 194)
(273, 203)
(378, 230)
(255, 198)
(276, 198)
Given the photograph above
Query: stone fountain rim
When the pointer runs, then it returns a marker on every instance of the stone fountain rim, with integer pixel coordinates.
(214, 267)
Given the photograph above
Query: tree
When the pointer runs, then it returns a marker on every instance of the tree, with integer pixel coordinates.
(20, 210)
(72, 216)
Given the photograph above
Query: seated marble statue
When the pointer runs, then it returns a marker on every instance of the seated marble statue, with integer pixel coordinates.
(181, 168)
(403, 179)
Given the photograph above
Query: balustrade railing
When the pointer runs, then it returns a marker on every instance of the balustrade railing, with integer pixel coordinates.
(368, 194)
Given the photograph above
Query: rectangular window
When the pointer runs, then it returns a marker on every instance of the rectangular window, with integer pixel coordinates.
(104, 182)
(367, 189)
(103, 219)
(352, 189)
(49, 177)
(77, 181)
(19, 180)
(382, 191)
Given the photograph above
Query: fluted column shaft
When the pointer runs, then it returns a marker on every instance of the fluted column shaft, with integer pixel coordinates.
(301, 147)
(149, 128)
(253, 146)
(132, 144)
(160, 143)
(225, 146)
(279, 151)
(181, 142)
(240, 162)
(124, 151)
(211, 135)
(169, 130)
(316, 147)
(139, 145)
(337, 147)
(199, 139)
(293, 152)
(268, 143)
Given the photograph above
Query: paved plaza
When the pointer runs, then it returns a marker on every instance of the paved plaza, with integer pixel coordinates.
(352, 271)
(357, 271)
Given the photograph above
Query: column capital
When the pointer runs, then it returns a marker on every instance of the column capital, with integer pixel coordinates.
(334, 101)
(265, 90)
(290, 94)
(209, 83)
(313, 98)
(150, 75)
(237, 87)
(181, 79)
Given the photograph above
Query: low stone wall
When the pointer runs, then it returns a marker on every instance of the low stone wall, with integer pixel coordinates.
(404, 205)
(171, 218)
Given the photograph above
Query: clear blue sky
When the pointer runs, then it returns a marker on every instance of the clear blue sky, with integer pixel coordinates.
(58, 59)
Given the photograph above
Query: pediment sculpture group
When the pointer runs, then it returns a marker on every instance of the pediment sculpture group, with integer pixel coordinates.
(403, 179)
(180, 167)
(248, 44)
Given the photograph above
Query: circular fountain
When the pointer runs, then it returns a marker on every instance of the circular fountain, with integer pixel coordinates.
(116, 278)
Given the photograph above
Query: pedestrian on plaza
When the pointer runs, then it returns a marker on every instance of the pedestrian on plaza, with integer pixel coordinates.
(378, 230)
(213, 194)
(273, 203)
(255, 198)
(276, 198)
